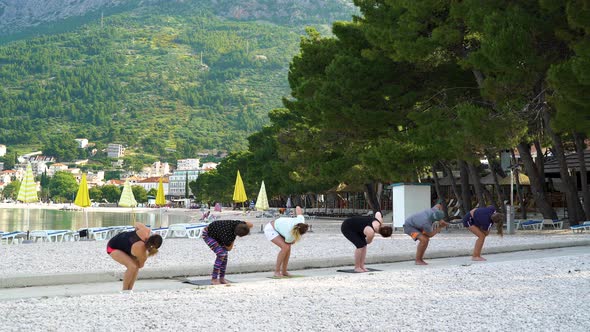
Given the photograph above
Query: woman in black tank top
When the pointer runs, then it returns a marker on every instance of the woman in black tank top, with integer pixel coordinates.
(360, 231)
(131, 249)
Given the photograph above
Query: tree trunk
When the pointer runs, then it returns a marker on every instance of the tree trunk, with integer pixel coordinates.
(580, 147)
(515, 174)
(454, 188)
(494, 166)
(465, 190)
(540, 163)
(372, 197)
(439, 192)
(536, 186)
(576, 214)
(476, 179)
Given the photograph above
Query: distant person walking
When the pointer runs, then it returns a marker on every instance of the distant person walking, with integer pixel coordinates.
(479, 221)
(284, 232)
(220, 236)
(361, 231)
(131, 249)
(419, 227)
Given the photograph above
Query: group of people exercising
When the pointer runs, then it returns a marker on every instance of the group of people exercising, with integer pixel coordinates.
(132, 249)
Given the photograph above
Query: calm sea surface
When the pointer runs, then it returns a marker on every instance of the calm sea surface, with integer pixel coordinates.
(17, 219)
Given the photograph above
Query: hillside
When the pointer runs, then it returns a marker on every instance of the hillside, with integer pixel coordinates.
(138, 80)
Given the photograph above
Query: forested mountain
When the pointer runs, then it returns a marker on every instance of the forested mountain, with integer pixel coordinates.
(162, 76)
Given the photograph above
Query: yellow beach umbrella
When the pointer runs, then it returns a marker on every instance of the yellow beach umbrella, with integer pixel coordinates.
(160, 197)
(262, 200)
(82, 197)
(239, 190)
(127, 199)
(27, 192)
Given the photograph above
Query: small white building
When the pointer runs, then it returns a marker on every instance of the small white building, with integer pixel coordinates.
(82, 142)
(2, 150)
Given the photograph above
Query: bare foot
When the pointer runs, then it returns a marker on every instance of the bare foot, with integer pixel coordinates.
(359, 270)
(278, 275)
(421, 263)
(478, 259)
(364, 269)
(286, 274)
(224, 281)
(379, 216)
(215, 282)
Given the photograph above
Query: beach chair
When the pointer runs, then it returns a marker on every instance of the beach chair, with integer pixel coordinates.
(58, 235)
(585, 226)
(555, 224)
(191, 231)
(532, 224)
(101, 233)
(162, 231)
(12, 237)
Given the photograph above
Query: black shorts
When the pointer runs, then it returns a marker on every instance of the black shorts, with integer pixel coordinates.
(357, 239)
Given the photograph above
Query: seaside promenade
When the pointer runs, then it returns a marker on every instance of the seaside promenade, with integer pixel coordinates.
(75, 285)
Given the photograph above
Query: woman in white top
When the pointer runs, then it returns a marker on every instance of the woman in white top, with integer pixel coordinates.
(284, 232)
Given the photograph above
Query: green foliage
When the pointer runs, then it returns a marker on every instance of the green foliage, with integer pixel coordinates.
(95, 194)
(139, 193)
(111, 193)
(140, 81)
(63, 186)
(11, 190)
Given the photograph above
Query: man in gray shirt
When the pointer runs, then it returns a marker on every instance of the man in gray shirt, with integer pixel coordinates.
(419, 227)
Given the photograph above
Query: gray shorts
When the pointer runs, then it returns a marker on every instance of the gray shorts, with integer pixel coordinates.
(412, 231)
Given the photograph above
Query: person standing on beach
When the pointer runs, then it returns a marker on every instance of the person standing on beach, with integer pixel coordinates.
(360, 231)
(479, 221)
(131, 249)
(419, 227)
(284, 232)
(220, 236)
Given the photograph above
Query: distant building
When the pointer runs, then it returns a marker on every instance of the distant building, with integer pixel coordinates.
(159, 169)
(2, 150)
(57, 167)
(187, 164)
(208, 166)
(152, 183)
(115, 150)
(82, 142)
(1, 166)
(177, 185)
(117, 164)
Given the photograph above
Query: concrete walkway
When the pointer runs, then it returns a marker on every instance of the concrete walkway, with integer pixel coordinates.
(113, 287)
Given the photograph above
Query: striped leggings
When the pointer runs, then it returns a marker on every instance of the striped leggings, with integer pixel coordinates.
(221, 252)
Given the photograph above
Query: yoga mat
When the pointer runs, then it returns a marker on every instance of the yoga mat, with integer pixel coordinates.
(353, 271)
(291, 277)
(200, 282)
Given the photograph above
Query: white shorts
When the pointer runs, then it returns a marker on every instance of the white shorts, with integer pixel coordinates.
(270, 232)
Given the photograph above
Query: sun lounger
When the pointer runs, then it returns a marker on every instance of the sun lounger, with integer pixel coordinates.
(11, 237)
(585, 226)
(50, 235)
(556, 224)
(100, 233)
(186, 230)
(162, 231)
(532, 224)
